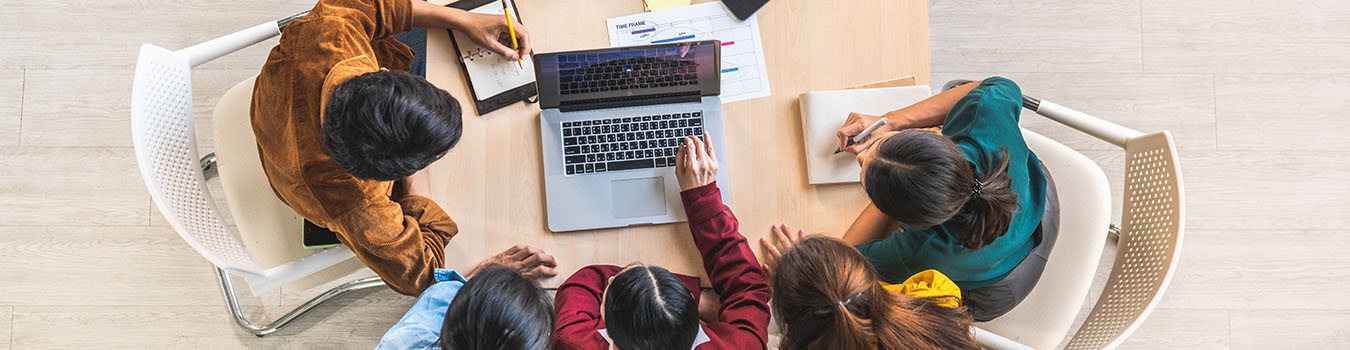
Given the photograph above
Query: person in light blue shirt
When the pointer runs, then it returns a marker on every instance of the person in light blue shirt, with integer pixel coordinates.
(498, 305)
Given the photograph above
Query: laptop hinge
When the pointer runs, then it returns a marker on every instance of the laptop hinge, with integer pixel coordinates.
(631, 101)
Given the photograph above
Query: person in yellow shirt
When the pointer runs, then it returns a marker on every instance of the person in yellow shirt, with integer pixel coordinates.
(827, 296)
(928, 283)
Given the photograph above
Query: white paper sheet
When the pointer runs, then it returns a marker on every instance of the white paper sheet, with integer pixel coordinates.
(823, 112)
(744, 75)
(490, 73)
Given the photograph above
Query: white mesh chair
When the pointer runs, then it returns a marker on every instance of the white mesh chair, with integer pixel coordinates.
(1148, 245)
(166, 152)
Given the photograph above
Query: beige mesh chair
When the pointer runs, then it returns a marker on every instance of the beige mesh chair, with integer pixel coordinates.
(1148, 245)
(266, 249)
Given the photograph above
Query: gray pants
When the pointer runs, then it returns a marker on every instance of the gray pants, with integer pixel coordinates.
(989, 302)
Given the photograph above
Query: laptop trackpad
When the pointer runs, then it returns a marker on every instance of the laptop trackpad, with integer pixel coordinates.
(638, 197)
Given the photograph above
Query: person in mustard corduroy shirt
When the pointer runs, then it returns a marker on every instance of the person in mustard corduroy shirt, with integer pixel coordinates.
(344, 132)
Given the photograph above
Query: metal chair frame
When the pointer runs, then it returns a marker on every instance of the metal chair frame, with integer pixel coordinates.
(260, 330)
(208, 164)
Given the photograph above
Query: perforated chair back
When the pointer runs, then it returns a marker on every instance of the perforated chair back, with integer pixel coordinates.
(163, 135)
(1152, 225)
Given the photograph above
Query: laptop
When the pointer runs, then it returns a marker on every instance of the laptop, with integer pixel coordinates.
(612, 120)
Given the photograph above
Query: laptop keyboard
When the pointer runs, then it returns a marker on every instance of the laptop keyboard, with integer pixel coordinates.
(587, 73)
(624, 143)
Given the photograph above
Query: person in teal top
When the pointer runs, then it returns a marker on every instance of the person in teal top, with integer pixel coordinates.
(968, 202)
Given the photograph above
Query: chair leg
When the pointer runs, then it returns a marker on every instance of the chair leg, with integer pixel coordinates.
(261, 330)
(208, 164)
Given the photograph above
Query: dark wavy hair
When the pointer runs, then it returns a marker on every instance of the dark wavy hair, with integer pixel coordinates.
(826, 297)
(498, 309)
(386, 125)
(921, 179)
(648, 308)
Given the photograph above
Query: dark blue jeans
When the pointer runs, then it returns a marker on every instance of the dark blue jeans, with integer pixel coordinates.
(417, 40)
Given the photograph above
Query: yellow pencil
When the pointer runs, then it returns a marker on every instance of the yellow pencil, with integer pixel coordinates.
(512, 27)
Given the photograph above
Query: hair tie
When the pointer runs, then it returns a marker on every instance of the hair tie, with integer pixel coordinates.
(844, 303)
(979, 188)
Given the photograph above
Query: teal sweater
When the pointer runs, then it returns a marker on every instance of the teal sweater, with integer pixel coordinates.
(981, 123)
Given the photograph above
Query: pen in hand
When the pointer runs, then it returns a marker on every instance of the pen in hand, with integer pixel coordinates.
(863, 135)
(510, 25)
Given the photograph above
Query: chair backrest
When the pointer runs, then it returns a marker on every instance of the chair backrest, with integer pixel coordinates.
(1152, 225)
(1146, 256)
(269, 229)
(164, 138)
(1044, 318)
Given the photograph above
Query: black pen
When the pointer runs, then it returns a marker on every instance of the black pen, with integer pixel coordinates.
(863, 135)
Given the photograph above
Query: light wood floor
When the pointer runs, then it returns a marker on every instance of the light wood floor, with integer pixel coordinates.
(1254, 92)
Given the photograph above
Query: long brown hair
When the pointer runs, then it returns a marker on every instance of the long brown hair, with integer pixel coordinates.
(826, 296)
(921, 179)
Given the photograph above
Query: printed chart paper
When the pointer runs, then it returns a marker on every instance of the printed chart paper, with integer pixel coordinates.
(744, 75)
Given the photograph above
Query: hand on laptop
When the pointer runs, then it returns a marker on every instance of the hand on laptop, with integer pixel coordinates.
(531, 262)
(695, 162)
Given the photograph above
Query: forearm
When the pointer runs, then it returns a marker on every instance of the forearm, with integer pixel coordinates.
(428, 15)
(403, 242)
(727, 257)
(931, 111)
(734, 271)
(871, 225)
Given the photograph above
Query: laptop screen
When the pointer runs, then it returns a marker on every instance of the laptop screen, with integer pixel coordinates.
(628, 73)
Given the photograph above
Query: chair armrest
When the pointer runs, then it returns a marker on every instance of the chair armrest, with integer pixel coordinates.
(1097, 127)
(989, 340)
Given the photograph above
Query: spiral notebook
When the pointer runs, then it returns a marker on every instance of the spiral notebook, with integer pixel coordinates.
(823, 112)
(495, 81)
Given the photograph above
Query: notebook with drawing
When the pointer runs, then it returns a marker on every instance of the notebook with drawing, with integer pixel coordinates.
(494, 81)
(823, 112)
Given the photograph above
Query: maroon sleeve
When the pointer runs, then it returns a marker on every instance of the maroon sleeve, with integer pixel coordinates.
(578, 307)
(743, 322)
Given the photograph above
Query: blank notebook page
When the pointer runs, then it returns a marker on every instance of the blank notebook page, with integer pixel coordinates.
(823, 112)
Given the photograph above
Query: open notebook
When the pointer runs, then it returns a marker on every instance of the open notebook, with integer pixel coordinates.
(494, 81)
(823, 112)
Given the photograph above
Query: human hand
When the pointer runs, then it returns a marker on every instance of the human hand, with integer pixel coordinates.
(780, 240)
(533, 263)
(695, 162)
(491, 32)
(855, 124)
(709, 306)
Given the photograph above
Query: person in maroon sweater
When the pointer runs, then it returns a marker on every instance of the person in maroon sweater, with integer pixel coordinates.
(641, 307)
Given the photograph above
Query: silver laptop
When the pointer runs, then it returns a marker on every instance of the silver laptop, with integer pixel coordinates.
(611, 122)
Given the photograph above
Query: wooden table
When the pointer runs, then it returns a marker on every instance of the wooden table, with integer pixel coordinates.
(491, 182)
